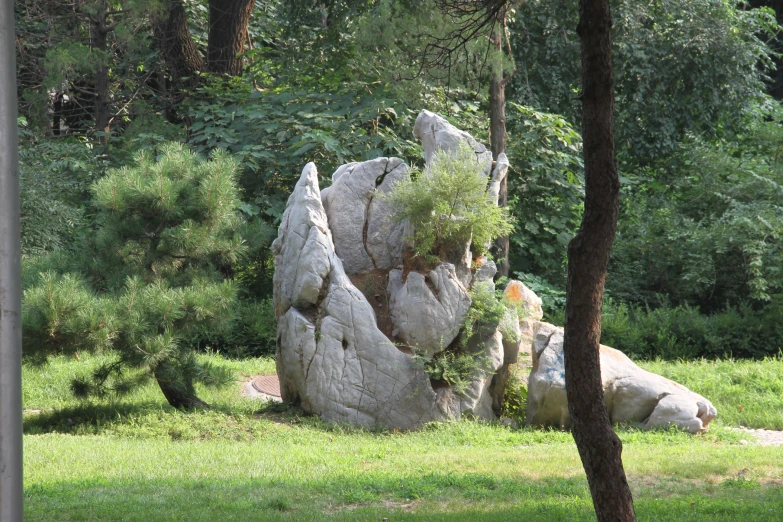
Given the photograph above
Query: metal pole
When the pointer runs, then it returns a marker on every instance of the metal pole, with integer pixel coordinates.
(10, 280)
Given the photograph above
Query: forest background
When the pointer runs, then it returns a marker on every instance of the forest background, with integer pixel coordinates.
(696, 266)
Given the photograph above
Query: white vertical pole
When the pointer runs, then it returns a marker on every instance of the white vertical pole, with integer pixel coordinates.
(10, 280)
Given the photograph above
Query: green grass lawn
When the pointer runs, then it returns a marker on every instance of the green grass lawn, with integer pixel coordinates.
(138, 459)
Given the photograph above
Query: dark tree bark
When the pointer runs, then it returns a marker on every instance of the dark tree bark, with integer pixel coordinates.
(588, 256)
(177, 395)
(497, 133)
(228, 21)
(99, 29)
(176, 45)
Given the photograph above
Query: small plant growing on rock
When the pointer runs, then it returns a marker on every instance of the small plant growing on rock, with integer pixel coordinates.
(458, 365)
(447, 204)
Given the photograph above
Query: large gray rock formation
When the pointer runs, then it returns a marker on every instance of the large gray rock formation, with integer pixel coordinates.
(350, 311)
(332, 358)
(352, 307)
(632, 395)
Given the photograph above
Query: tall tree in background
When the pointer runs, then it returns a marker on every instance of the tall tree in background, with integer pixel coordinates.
(100, 26)
(228, 21)
(499, 78)
(176, 44)
(475, 20)
(88, 65)
(588, 257)
(227, 37)
(77, 57)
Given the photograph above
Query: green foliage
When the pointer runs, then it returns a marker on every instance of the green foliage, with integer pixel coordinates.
(54, 176)
(682, 332)
(455, 368)
(273, 134)
(515, 398)
(251, 331)
(705, 227)
(674, 73)
(59, 54)
(546, 189)
(447, 205)
(485, 313)
(151, 277)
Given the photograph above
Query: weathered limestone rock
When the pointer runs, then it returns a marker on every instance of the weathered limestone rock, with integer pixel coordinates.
(498, 175)
(350, 311)
(632, 395)
(427, 310)
(331, 356)
(478, 400)
(365, 237)
(302, 249)
(436, 134)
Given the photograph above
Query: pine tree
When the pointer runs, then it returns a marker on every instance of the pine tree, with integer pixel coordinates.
(155, 270)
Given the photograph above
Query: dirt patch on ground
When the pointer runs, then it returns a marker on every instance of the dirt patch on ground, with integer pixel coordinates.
(406, 506)
(761, 437)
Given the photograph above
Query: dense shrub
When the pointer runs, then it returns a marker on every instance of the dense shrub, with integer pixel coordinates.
(54, 180)
(682, 332)
(704, 227)
(156, 273)
(447, 205)
(250, 331)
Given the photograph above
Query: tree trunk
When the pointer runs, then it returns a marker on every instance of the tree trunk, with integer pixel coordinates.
(99, 30)
(588, 256)
(177, 395)
(228, 21)
(176, 45)
(497, 133)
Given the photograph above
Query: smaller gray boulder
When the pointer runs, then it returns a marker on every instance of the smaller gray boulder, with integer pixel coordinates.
(632, 394)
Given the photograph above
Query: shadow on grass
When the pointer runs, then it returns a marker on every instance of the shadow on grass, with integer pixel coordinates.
(224, 421)
(244, 422)
(86, 418)
(431, 497)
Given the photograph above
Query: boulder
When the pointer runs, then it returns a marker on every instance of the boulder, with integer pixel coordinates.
(365, 237)
(632, 394)
(435, 133)
(332, 357)
(427, 310)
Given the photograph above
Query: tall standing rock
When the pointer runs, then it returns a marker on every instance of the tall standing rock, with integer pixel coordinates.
(351, 312)
(331, 357)
(365, 235)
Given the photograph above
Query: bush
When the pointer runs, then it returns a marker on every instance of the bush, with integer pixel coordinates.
(447, 205)
(682, 332)
(54, 179)
(250, 332)
(154, 274)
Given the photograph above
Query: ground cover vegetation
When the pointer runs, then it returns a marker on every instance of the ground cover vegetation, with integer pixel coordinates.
(115, 92)
(149, 461)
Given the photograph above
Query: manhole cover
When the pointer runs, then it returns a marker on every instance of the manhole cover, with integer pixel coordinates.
(268, 384)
